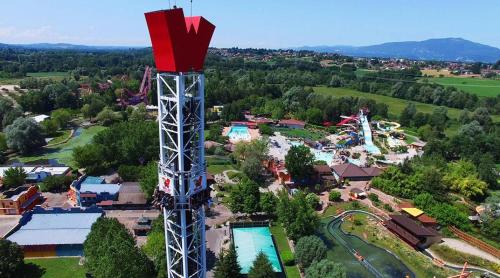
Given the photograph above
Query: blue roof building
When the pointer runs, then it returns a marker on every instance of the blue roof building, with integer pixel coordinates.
(54, 232)
(88, 191)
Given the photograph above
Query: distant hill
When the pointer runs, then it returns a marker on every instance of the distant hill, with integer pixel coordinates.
(447, 49)
(65, 46)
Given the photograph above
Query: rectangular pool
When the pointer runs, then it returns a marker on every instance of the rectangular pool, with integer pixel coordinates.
(249, 242)
(239, 133)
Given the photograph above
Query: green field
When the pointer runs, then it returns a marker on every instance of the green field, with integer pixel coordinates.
(396, 105)
(58, 267)
(53, 74)
(63, 153)
(480, 87)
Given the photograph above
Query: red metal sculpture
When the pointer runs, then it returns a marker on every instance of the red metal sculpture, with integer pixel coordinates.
(180, 43)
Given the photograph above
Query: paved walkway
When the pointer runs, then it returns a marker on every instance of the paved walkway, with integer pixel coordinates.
(465, 247)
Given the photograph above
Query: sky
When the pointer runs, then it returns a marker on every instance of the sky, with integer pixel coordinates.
(255, 23)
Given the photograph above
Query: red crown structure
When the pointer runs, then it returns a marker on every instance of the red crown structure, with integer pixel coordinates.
(180, 43)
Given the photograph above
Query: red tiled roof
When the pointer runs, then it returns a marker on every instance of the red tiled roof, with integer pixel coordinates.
(322, 169)
(88, 195)
(105, 203)
(292, 122)
(426, 219)
(372, 171)
(405, 205)
(349, 170)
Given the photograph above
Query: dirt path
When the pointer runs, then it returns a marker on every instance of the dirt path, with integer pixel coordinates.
(465, 247)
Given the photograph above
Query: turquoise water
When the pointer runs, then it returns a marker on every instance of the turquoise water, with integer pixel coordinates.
(249, 242)
(239, 133)
(318, 154)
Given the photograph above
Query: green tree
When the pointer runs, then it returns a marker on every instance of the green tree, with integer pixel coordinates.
(227, 264)
(155, 246)
(265, 129)
(407, 114)
(312, 200)
(49, 127)
(24, 135)
(245, 197)
(110, 251)
(14, 177)
(299, 162)
(11, 116)
(139, 114)
(56, 183)
(296, 215)
(149, 179)
(326, 269)
(107, 116)
(90, 157)
(268, 203)
(462, 177)
(439, 118)
(314, 116)
(252, 167)
(11, 260)
(61, 117)
(309, 249)
(261, 267)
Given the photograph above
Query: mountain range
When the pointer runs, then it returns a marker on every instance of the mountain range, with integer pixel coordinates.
(445, 49)
(66, 46)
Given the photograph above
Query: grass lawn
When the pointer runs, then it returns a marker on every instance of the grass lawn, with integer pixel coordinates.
(10, 81)
(63, 153)
(61, 136)
(456, 257)
(218, 169)
(218, 164)
(478, 86)
(53, 74)
(284, 250)
(301, 133)
(59, 267)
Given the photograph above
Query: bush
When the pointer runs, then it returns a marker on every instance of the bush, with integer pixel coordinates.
(288, 258)
(56, 183)
(355, 205)
(219, 195)
(130, 172)
(334, 196)
(356, 155)
(373, 197)
(357, 222)
(388, 208)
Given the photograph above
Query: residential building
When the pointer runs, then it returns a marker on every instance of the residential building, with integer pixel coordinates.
(55, 232)
(294, 124)
(353, 172)
(18, 200)
(37, 174)
(88, 191)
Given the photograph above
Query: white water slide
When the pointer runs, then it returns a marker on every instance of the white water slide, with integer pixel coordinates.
(367, 132)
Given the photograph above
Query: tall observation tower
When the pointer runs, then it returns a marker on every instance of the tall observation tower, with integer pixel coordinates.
(180, 45)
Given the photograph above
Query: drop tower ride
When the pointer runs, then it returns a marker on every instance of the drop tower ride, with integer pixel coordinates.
(180, 45)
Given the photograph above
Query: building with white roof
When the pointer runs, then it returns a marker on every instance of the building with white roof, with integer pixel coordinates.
(40, 118)
(54, 232)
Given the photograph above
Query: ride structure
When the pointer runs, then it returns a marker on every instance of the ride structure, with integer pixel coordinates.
(180, 45)
(129, 98)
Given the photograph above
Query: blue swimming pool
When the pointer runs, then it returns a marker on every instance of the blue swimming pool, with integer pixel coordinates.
(249, 242)
(238, 133)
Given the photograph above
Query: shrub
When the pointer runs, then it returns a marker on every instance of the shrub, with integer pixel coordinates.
(388, 208)
(356, 155)
(56, 183)
(334, 196)
(355, 205)
(219, 195)
(288, 258)
(373, 197)
(357, 222)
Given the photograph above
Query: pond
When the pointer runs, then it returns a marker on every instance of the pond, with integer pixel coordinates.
(344, 247)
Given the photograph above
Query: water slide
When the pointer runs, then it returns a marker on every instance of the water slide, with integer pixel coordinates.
(367, 132)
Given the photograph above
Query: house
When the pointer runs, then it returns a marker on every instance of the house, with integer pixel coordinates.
(17, 201)
(323, 174)
(212, 144)
(40, 118)
(418, 145)
(419, 216)
(88, 190)
(54, 232)
(353, 172)
(294, 124)
(35, 174)
(412, 232)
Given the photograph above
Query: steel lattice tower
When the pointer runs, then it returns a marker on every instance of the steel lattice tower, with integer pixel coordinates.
(179, 46)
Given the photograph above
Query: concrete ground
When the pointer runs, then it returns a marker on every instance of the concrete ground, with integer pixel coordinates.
(218, 215)
(129, 219)
(465, 247)
(53, 200)
(7, 223)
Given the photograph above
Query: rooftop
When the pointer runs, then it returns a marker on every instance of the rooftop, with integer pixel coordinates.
(411, 226)
(291, 122)
(351, 170)
(57, 226)
(415, 212)
(100, 188)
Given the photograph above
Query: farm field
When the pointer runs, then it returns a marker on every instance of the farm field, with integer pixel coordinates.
(59, 267)
(54, 74)
(480, 87)
(396, 105)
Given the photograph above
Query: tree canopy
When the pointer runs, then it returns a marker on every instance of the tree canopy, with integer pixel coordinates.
(24, 135)
(299, 162)
(227, 264)
(261, 267)
(326, 269)
(309, 249)
(14, 177)
(11, 260)
(110, 251)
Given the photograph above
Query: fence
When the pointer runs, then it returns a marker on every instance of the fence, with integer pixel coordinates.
(476, 242)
